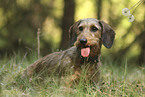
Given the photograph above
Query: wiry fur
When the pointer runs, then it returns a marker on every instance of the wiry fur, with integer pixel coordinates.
(70, 60)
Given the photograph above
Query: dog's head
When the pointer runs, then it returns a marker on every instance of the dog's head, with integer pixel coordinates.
(89, 34)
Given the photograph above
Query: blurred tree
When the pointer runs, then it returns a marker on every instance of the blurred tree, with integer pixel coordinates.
(20, 19)
(23, 18)
(139, 42)
(129, 36)
(142, 44)
(67, 21)
(99, 8)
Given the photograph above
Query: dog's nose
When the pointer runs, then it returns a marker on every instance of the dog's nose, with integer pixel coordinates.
(83, 41)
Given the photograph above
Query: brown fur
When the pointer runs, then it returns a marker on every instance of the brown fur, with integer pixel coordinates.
(70, 61)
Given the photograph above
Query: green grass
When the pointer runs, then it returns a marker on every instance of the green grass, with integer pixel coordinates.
(117, 80)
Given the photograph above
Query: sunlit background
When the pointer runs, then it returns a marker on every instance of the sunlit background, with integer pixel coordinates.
(20, 20)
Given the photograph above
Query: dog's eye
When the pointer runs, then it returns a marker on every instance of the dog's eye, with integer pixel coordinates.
(81, 28)
(94, 29)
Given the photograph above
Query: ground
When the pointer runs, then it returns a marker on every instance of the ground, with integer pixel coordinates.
(118, 79)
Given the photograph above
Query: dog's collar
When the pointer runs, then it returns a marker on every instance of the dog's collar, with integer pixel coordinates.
(92, 60)
(89, 59)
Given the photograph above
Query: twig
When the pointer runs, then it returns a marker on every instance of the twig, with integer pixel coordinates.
(24, 57)
(140, 2)
(38, 41)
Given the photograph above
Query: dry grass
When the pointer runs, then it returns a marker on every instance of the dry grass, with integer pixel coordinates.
(117, 80)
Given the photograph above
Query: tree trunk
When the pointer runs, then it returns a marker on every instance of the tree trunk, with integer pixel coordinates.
(142, 53)
(142, 45)
(67, 21)
(99, 8)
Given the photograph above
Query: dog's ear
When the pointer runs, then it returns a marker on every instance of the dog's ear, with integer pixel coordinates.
(108, 34)
(73, 32)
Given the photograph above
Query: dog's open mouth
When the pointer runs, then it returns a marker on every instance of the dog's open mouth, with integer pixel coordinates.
(85, 52)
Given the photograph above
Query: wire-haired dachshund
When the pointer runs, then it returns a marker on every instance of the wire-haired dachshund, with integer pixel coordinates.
(86, 38)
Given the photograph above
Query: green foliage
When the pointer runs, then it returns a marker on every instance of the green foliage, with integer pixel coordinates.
(20, 20)
(123, 80)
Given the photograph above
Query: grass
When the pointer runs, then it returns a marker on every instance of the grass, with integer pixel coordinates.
(117, 80)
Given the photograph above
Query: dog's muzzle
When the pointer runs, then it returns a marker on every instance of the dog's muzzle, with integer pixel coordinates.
(83, 41)
(84, 51)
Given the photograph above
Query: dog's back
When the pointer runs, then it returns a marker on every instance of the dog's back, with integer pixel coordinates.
(55, 62)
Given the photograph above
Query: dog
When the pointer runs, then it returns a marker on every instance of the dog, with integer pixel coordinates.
(86, 39)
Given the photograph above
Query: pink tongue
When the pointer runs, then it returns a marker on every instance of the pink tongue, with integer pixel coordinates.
(85, 52)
